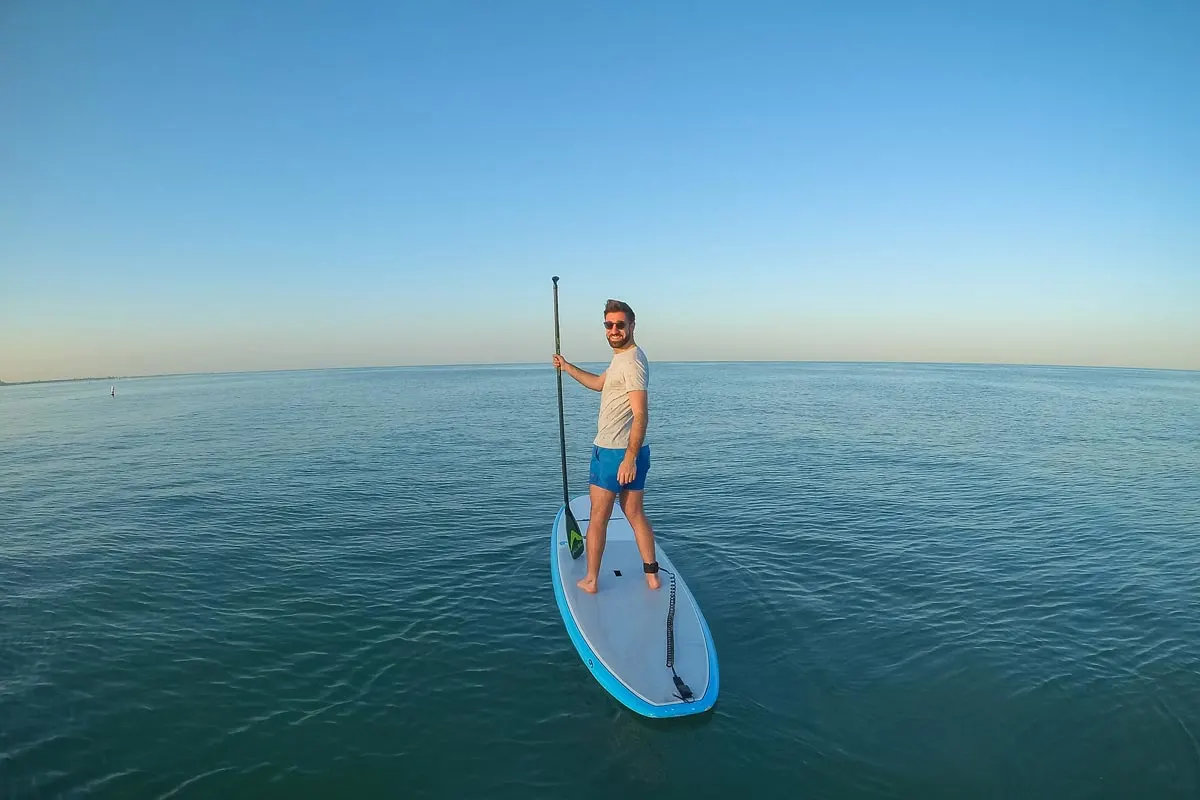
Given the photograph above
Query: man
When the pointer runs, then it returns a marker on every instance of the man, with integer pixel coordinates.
(620, 454)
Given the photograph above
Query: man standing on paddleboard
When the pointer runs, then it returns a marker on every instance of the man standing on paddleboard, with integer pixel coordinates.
(620, 453)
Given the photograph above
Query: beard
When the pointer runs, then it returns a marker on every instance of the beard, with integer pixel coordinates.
(618, 340)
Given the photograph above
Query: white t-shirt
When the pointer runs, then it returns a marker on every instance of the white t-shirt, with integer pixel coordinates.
(628, 372)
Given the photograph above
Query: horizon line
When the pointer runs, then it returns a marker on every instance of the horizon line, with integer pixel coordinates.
(1039, 365)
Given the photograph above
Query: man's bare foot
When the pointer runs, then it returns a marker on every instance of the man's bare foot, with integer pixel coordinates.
(652, 580)
(588, 585)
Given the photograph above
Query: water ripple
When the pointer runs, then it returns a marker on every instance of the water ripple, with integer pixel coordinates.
(922, 582)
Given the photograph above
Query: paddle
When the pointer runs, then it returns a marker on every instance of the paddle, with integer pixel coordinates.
(574, 535)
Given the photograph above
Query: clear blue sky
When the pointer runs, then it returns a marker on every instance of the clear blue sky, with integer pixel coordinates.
(253, 185)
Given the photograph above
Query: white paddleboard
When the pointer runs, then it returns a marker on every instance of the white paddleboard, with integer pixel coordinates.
(621, 631)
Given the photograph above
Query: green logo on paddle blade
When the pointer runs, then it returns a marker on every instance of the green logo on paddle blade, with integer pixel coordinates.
(575, 540)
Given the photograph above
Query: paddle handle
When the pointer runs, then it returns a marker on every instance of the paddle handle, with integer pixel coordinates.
(562, 428)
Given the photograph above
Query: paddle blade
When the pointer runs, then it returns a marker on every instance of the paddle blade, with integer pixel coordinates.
(574, 535)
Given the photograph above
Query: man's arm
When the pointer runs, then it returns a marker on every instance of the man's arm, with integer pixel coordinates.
(638, 403)
(588, 379)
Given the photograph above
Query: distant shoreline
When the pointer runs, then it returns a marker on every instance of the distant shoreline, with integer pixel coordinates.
(73, 380)
(115, 378)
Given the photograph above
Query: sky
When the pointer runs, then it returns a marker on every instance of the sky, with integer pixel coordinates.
(226, 186)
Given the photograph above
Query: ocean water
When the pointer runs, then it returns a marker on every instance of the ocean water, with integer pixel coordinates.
(923, 582)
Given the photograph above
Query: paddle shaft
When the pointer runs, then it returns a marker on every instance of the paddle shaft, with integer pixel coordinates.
(562, 429)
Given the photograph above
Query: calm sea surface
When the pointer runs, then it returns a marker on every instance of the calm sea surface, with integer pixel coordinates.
(923, 582)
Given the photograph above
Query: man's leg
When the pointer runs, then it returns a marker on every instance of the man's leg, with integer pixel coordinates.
(631, 504)
(597, 532)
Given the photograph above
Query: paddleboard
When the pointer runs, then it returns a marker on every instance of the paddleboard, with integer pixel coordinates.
(656, 660)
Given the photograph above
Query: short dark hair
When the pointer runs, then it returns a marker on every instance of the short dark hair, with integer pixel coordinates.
(613, 306)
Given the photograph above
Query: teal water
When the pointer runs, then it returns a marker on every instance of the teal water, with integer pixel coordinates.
(923, 582)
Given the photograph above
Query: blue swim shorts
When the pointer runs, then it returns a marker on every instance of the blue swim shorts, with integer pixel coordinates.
(606, 461)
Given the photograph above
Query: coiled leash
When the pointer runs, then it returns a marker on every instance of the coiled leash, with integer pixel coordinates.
(682, 690)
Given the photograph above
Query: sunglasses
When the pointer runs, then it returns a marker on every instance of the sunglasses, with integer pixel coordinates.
(609, 325)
